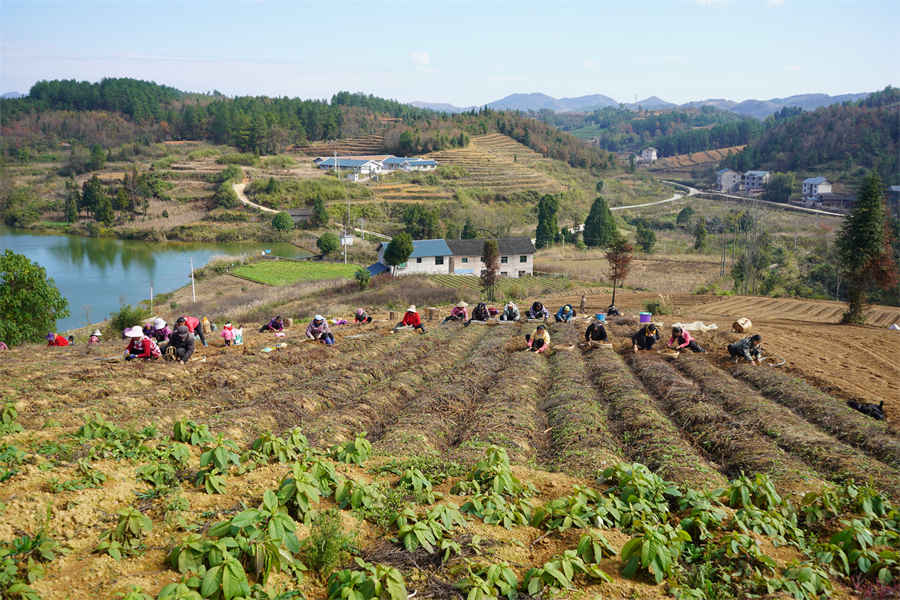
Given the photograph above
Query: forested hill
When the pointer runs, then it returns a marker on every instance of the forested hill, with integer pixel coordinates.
(678, 131)
(863, 134)
(119, 111)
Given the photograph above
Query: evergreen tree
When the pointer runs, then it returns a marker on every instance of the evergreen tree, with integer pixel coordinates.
(547, 228)
(73, 199)
(328, 243)
(103, 213)
(645, 237)
(320, 213)
(864, 246)
(468, 231)
(283, 221)
(684, 216)
(91, 192)
(98, 158)
(700, 235)
(599, 227)
(398, 250)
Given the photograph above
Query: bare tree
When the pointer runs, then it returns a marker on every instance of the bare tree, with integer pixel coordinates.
(490, 257)
(619, 256)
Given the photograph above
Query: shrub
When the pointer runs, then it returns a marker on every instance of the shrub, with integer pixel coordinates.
(230, 173)
(127, 316)
(363, 277)
(662, 306)
(225, 196)
(238, 158)
(327, 544)
(30, 304)
(283, 222)
(328, 243)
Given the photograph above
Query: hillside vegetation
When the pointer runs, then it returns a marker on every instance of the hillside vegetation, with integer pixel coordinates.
(839, 138)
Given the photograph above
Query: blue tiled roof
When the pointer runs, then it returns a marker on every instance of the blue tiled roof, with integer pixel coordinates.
(344, 163)
(394, 160)
(377, 269)
(422, 248)
(818, 179)
(413, 162)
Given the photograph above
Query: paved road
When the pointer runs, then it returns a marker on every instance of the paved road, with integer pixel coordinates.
(814, 211)
(691, 192)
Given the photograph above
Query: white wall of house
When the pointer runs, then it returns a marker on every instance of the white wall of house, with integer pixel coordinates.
(516, 265)
(729, 181)
(427, 265)
(814, 189)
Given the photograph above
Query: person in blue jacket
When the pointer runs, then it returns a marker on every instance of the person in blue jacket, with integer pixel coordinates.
(565, 313)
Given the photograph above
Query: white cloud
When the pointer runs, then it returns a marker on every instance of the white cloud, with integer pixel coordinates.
(422, 61)
(775, 2)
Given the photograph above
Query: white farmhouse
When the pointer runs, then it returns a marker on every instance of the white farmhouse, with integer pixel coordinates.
(813, 188)
(648, 155)
(461, 257)
(756, 181)
(354, 168)
(400, 163)
(728, 180)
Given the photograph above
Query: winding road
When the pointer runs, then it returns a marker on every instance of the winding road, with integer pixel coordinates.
(691, 192)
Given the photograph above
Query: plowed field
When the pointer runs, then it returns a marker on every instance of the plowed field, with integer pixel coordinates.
(450, 394)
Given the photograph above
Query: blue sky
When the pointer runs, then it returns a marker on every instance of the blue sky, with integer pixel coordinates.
(457, 51)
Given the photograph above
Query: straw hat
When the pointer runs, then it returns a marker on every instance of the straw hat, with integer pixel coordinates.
(159, 323)
(412, 308)
(134, 332)
(462, 304)
(97, 333)
(318, 318)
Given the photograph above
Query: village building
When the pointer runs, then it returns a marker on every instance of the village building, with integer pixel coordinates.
(461, 257)
(728, 180)
(648, 155)
(813, 188)
(836, 202)
(755, 181)
(353, 169)
(400, 163)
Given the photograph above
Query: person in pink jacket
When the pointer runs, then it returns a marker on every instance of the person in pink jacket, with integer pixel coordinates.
(228, 333)
(681, 339)
(460, 312)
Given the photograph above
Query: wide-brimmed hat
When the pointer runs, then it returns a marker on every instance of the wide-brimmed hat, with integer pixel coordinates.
(134, 332)
(227, 325)
(159, 323)
(50, 337)
(462, 304)
(412, 308)
(359, 311)
(318, 318)
(97, 333)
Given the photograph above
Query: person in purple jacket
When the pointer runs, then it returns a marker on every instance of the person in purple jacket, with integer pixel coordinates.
(318, 330)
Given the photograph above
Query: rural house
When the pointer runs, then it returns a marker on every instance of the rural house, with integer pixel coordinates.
(728, 180)
(431, 257)
(400, 163)
(516, 257)
(755, 181)
(461, 257)
(813, 188)
(648, 155)
(355, 168)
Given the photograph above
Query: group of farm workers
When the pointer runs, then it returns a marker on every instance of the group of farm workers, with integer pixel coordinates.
(156, 339)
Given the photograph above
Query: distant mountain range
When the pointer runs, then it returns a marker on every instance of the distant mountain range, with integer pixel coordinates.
(12, 95)
(759, 109)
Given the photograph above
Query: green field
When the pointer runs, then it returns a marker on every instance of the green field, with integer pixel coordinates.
(285, 272)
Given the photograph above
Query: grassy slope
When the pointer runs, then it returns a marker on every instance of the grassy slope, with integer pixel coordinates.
(284, 272)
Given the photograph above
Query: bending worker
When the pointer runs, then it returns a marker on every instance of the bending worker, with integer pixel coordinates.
(510, 312)
(565, 313)
(318, 330)
(645, 337)
(681, 339)
(411, 319)
(539, 340)
(596, 331)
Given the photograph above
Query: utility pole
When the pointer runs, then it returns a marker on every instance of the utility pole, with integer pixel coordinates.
(151, 297)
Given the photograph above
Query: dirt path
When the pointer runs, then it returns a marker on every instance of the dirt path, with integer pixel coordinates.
(691, 192)
(239, 190)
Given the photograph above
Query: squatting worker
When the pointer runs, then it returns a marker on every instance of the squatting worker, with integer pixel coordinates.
(748, 348)
(645, 337)
(539, 340)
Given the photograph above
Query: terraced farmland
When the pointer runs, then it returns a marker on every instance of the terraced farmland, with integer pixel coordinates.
(491, 163)
(104, 440)
(694, 159)
(363, 145)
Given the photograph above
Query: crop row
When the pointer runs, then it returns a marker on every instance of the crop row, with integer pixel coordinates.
(580, 436)
(431, 426)
(731, 443)
(645, 433)
(411, 367)
(819, 450)
(824, 410)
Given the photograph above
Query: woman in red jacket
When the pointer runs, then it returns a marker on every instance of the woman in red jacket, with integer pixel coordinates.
(139, 345)
(54, 339)
(411, 319)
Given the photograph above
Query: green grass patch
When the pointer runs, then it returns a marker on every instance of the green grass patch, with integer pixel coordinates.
(286, 272)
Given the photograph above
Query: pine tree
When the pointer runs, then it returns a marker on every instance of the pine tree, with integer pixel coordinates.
(599, 227)
(547, 227)
(398, 250)
(700, 235)
(468, 231)
(865, 251)
(73, 198)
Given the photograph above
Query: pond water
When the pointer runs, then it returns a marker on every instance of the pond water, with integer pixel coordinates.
(98, 275)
